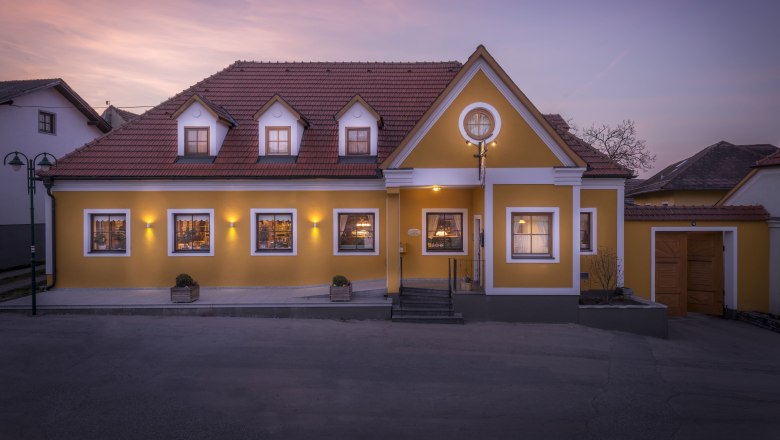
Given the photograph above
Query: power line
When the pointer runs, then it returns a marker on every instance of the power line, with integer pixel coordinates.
(80, 106)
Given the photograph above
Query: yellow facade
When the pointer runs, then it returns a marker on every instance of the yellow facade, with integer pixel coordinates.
(542, 275)
(232, 265)
(517, 144)
(752, 259)
(605, 202)
(688, 198)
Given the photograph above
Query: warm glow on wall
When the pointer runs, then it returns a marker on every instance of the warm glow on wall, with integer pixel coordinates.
(436, 188)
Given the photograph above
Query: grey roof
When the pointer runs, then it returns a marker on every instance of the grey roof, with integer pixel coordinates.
(12, 89)
(718, 167)
(111, 113)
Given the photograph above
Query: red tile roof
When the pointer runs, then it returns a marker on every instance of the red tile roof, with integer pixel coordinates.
(399, 92)
(599, 164)
(700, 213)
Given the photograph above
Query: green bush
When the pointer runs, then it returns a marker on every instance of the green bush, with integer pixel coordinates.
(340, 280)
(184, 280)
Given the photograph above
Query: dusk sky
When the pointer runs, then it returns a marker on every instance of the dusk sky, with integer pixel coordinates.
(690, 73)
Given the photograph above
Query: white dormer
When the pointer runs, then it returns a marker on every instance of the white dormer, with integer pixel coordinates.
(201, 127)
(359, 126)
(280, 128)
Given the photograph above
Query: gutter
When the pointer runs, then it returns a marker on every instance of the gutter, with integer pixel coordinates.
(48, 183)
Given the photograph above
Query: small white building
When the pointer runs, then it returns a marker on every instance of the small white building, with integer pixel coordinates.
(41, 115)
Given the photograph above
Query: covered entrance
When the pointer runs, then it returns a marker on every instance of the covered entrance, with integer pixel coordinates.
(689, 271)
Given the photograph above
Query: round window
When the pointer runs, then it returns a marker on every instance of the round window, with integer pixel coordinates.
(479, 124)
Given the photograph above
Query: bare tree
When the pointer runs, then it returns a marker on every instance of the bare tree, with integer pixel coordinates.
(620, 144)
(606, 268)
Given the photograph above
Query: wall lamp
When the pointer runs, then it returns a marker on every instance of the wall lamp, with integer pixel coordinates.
(148, 225)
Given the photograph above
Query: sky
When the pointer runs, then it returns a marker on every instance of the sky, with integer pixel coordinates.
(689, 73)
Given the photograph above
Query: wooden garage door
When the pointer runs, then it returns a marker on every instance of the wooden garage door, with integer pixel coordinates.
(670, 271)
(705, 272)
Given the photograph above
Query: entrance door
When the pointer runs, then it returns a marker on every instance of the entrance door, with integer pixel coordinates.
(705, 272)
(670, 271)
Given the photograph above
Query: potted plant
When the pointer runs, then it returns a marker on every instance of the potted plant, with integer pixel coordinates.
(186, 289)
(340, 289)
(465, 283)
(100, 240)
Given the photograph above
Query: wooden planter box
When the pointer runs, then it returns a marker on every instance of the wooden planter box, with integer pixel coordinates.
(341, 293)
(185, 294)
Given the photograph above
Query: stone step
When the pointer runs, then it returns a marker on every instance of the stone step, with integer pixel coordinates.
(22, 284)
(416, 290)
(423, 311)
(425, 302)
(456, 318)
(424, 295)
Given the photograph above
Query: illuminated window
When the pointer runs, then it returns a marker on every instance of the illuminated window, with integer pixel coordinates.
(190, 232)
(45, 122)
(531, 235)
(196, 141)
(356, 232)
(274, 232)
(358, 141)
(479, 124)
(277, 140)
(108, 233)
(444, 232)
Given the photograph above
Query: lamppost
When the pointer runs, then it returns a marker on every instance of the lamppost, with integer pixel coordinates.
(16, 163)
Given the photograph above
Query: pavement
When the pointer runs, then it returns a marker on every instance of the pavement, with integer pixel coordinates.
(366, 293)
(183, 377)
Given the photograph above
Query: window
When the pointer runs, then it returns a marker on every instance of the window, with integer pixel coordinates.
(444, 232)
(274, 233)
(106, 232)
(277, 140)
(45, 122)
(531, 235)
(196, 141)
(358, 141)
(355, 231)
(479, 124)
(190, 232)
(588, 231)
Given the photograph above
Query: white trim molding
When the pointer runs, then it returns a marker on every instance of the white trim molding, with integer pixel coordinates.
(377, 233)
(88, 213)
(570, 176)
(464, 232)
(555, 233)
(253, 232)
(172, 232)
(593, 232)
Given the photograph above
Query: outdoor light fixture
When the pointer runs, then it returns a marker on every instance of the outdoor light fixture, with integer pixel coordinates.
(436, 188)
(481, 155)
(314, 224)
(232, 224)
(148, 225)
(16, 163)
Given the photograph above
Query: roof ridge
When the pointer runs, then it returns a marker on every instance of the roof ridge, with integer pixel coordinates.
(348, 62)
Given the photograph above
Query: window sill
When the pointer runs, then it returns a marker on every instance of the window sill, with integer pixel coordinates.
(540, 259)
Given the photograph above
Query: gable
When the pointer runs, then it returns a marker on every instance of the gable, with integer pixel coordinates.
(518, 145)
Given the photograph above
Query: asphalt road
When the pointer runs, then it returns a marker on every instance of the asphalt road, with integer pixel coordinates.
(124, 377)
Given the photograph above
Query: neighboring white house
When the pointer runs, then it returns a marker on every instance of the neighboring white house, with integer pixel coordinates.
(36, 116)
(759, 187)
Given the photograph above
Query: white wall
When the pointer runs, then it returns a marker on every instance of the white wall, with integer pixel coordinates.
(19, 132)
(357, 116)
(278, 116)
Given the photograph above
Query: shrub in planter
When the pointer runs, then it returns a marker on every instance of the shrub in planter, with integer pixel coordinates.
(186, 289)
(340, 289)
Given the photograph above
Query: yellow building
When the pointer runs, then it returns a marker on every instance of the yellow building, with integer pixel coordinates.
(285, 174)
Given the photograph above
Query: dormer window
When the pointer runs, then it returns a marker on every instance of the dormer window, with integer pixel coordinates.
(196, 141)
(277, 141)
(202, 127)
(280, 131)
(359, 126)
(358, 141)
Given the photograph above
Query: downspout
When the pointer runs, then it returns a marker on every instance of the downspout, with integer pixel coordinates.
(48, 183)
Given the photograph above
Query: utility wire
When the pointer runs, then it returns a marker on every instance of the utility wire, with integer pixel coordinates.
(80, 106)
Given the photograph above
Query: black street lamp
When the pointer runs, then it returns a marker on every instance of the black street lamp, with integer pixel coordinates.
(16, 163)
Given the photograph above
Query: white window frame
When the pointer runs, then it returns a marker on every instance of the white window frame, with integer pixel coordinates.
(493, 112)
(555, 233)
(172, 232)
(253, 231)
(336, 231)
(464, 232)
(88, 233)
(593, 232)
